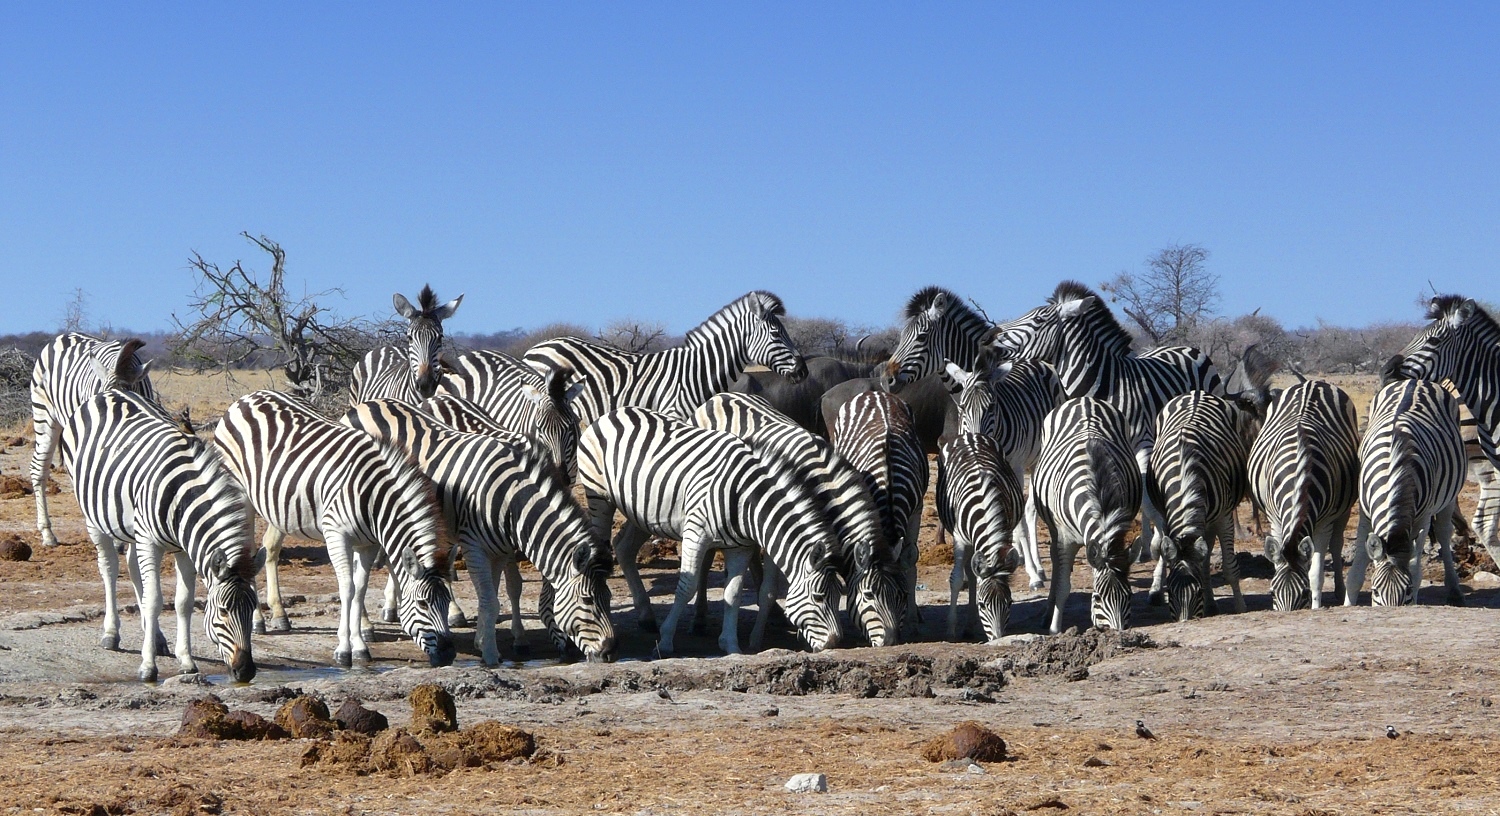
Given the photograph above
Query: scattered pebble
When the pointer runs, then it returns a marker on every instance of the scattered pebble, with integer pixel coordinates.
(807, 783)
(1096, 762)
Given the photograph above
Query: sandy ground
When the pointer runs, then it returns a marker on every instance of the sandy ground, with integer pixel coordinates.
(1255, 713)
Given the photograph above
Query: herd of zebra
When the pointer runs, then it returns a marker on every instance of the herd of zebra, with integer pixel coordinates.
(813, 469)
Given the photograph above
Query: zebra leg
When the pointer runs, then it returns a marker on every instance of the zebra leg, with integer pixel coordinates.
(482, 576)
(47, 434)
(1442, 525)
(1336, 545)
(1158, 574)
(109, 572)
(699, 626)
(456, 616)
(133, 569)
(187, 583)
(736, 565)
(909, 556)
(361, 561)
(277, 621)
(338, 553)
(1231, 564)
(147, 577)
(627, 546)
(1062, 581)
(1025, 534)
(518, 642)
(390, 600)
(962, 553)
(687, 587)
(770, 586)
(1359, 561)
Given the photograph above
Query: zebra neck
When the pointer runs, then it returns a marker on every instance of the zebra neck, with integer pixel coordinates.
(704, 368)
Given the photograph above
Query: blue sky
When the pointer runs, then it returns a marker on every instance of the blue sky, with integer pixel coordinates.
(585, 162)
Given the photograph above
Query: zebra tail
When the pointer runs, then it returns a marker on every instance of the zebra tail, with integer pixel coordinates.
(1112, 507)
(1194, 493)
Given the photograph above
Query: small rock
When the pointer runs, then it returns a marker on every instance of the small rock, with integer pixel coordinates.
(432, 709)
(967, 740)
(807, 783)
(1484, 577)
(1024, 637)
(306, 717)
(773, 711)
(1096, 762)
(353, 716)
(190, 679)
(15, 548)
(967, 766)
(972, 695)
(1485, 702)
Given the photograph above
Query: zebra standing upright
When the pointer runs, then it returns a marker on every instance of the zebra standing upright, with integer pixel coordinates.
(71, 369)
(1304, 473)
(866, 561)
(937, 327)
(708, 490)
(383, 373)
(359, 496)
(1462, 346)
(1077, 333)
(140, 479)
(979, 501)
(1009, 403)
(1412, 466)
(1088, 492)
(520, 399)
(1196, 479)
(875, 432)
(501, 501)
(676, 381)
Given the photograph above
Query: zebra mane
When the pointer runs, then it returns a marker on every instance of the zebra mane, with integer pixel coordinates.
(427, 300)
(1110, 485)
(1070, 290)
(415, 488)
(1402, 500)
(925, 297)
(1106, 326)
(765, 301)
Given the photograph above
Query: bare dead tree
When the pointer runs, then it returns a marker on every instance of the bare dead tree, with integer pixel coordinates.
(1171, 296)
(628, 334)
(236, 319)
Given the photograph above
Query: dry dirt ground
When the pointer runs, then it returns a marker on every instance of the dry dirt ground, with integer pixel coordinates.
(1255, 713)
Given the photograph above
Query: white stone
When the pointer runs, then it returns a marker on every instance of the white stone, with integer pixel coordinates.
(1024, 637)
(1483, 577)
(807, 783)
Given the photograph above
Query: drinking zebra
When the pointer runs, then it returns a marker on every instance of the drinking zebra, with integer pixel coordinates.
(1009, 403)
(328, 482)
(1088, 491)
(518, 398)
(1411, 468)
(708, 490)
(383, 373)
(142, 482)
(1196, 478)
(876, 433)
(979, 501)
(1077, 333)
(503, 502)
(676, 381)
(68, 371)
(866, 562)
(1304, 473)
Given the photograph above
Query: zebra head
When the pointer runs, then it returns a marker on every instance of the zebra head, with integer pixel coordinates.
(1460, 331)
(117, 367)
(766, 341)
(1289, 586)
(1038, 333)
(229, 611)
(423, 610)
(553, 423)
(1390, 583)
(1110, 559)
(992, 581)
(937, 326)
(877, 597)
(424, 336)
(808, 600)
(578, 609)
(1187, 586)
(974, 394)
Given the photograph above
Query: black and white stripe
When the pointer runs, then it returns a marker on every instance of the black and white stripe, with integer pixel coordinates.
(1009, 403)
(876, 432)
(937, 327)
(324, 481)
(676, 381)
(1411, 468)
(865, 559)
(979, 502)
(141, 481)
(1088, 492)
(501, 502)
(1304, 474)
(708, 490)
(409, 374)
(68, 371)
(518, 398)
(1196, 479)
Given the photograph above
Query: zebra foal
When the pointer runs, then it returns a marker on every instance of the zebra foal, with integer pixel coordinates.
(979, 502)
(68, 371)
(1088, 493)
(412, 374)
(142, 481)
(361, 497)
(1411, 468)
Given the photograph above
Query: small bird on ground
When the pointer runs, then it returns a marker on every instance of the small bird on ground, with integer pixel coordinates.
(1142, 731)
(664, 694)
(1390, 731)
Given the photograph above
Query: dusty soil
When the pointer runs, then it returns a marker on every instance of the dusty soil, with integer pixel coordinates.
(1255, 713)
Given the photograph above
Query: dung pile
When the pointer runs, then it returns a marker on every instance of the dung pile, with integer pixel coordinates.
(208, 718)
(967, 740)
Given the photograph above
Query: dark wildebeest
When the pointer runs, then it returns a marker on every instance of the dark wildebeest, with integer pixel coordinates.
(800, 401)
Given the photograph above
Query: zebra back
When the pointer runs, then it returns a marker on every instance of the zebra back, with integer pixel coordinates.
(1412, 462)
(462, 415)
(876, 432)
(520, 399)
(937, 326)
(676, 381)
(1197, 468)
(383, 373)
(1086, 481)
(74, 367)
(979, 500)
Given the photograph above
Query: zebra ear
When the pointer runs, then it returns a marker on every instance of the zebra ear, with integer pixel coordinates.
(1376, 545)
(258, 562)
(1273, 550)
(954, 378)
(1464, 311)
(1199, 548)
(1169, 550)
(939, 305)
(1098, 555)
(218, 566)
(446, 310)
(864, 558)
(1305, 547)
(1072, 308)
(404, 307)
(582, 555)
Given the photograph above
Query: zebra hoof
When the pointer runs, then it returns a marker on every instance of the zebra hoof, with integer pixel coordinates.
(457, 619)
(281, 624)
(48, 539)
(260, 626)
(110, 642)
(343, 660)
(388, 616)
(367, 634)
(147, 674)
(1038, 584)
(648, 625)
(1457, 600)
(362, 656)
(1157, 598)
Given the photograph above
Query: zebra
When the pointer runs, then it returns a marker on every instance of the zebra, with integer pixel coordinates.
(1088, 492)
(1411, 468)
(1008, 403)
(1304, 473)
(68, 371)
(1196, 477)
(142, 481)
(708, 490)
(865, 559)
(937, 326)
(382, 372)
(1077, 333)
(359, 496)
(518, 398)
(501, 502)
(1462, 346)
(676, 381)
(979, 501)
(875, 432)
